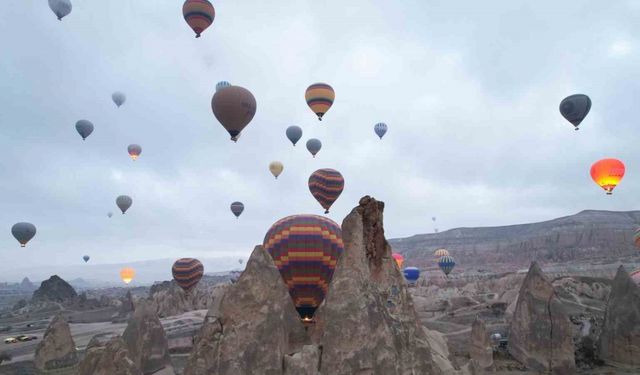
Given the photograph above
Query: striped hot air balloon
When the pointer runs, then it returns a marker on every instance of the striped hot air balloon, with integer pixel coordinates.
(320, 97)
(635, 276)
(412, 274)
(441, 253)
(187, 272)
(636, 237)
(398, 258)
(199, 15)
(326, 185)
(446, 264)
(305, 249)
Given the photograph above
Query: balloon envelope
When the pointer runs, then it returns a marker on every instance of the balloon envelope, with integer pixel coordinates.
(305, 249)
(60, 8)
(199, 15)
(326, 185)
(84, 128)
(380, 129)
(276, 168)
(127, 274)
(607, 173)
(23, 232)
(294, 133)
(314, 145)
(411, 274)
(575, 108)
(399, 259)
(109, 214)
(320, 97)
(446, 264)
(118, 98)
(222, 84)
(86, 258)
(635, 276)
(187, 272)
(124, 202)
(237, 208)
(134, 151)
(234, 107)
(441, 253)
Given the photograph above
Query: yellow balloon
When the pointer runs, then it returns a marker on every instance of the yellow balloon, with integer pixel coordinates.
(276, 168)
(127, 274)
(441, 253)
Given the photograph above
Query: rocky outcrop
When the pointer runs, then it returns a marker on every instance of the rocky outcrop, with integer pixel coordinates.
(171, 300)
(480, 349)
(620, 338)
(251, 327)
(125, 310)
(54, 289)
(146, 340)
(57, 349)
(26, 285)
(367, 323)
(541, 333)
(305, 362)
(108, 358)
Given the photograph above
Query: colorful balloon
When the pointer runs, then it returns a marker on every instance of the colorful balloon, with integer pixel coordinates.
(119, 98)
(326, 185)
(86, 258)
(84, 128)
(441, 253)
(314, 145)
(446, 264)
(234, 107)
(237, 208)
(380, 129)
(412, 274)
(124, 202)
(305, 249)
(399, 259)
(199, 15)
(635, 276)
(222, 84)
(134, 151)
(294, 133)
(187, 273)
(575, 108)
(320, 97)
(127, 274)
(607, 173)
(23, 232)
(60, 8)
(276, 168)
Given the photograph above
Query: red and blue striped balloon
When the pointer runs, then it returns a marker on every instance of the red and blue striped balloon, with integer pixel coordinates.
(199, 15)
(326, 185)
(187, 272)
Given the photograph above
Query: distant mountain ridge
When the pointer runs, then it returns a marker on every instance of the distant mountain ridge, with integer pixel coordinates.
(589, 234)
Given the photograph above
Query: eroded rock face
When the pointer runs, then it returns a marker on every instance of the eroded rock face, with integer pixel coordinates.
(541, 333)
(108, 358)
(251, 328)
(305, 362)
(620, 338)
(367, 323)
(54, 289)
(171, 300)
(57, 349)
(146, 340)
(480, 347)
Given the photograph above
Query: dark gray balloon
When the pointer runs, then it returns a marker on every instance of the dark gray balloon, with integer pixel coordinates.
(86, 258)
(23, 232)
(124, 202)
(84, 128)
(119, 98)
(294, 133)
(314, 145)
(110, 214)
(380, 129)
(237, 208)
(60, 8)
(575, 108)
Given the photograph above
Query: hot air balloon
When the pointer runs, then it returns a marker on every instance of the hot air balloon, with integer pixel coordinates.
(319, 97)
(607, 173)
(23, 232)
(635, 276)
(636, 237)
(134, 151)
(119, 98)
(222, 84)
(433, 218)
(441, 253)
(86, 258)
(276, 168)
(314, 145)
(234, 107)
(412, 274)
(575, 108)
(237, 208)
(127, 274)
(294, 133)
(109, 214)
(84, 128)
(399, 259)
(326, 185)
(240, 260)
(199, 15)
(446, 264)
(380, 129)
(60, 8)
(187, 272)
(124, 202)
(305, 249)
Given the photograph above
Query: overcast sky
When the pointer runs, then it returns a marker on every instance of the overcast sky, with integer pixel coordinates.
(470, 91)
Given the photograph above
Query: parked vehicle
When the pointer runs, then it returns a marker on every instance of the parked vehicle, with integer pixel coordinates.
(10, 340)
(26, 338)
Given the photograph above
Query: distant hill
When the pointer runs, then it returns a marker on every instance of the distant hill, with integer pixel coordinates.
(589, 234)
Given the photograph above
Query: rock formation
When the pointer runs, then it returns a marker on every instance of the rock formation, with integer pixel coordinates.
(54, 289)
(26, 285)
(251, 328)
(145, 339)
(480, 348)
(57, 349)
(541, 333)
(304, 362)
(171, 300)
(107, 358)
(620, 338)
(125, 311)
(367, 323)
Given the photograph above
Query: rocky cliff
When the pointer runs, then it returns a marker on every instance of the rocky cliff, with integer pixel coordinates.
(54, 289)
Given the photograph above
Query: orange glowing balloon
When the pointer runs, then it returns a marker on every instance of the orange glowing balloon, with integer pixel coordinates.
(399, 259)
(607, 173)
(127, 274)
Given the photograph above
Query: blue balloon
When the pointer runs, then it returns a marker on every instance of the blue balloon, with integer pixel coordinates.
(411, 274)
(294, 133)
(380, 129)
(446, 264)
